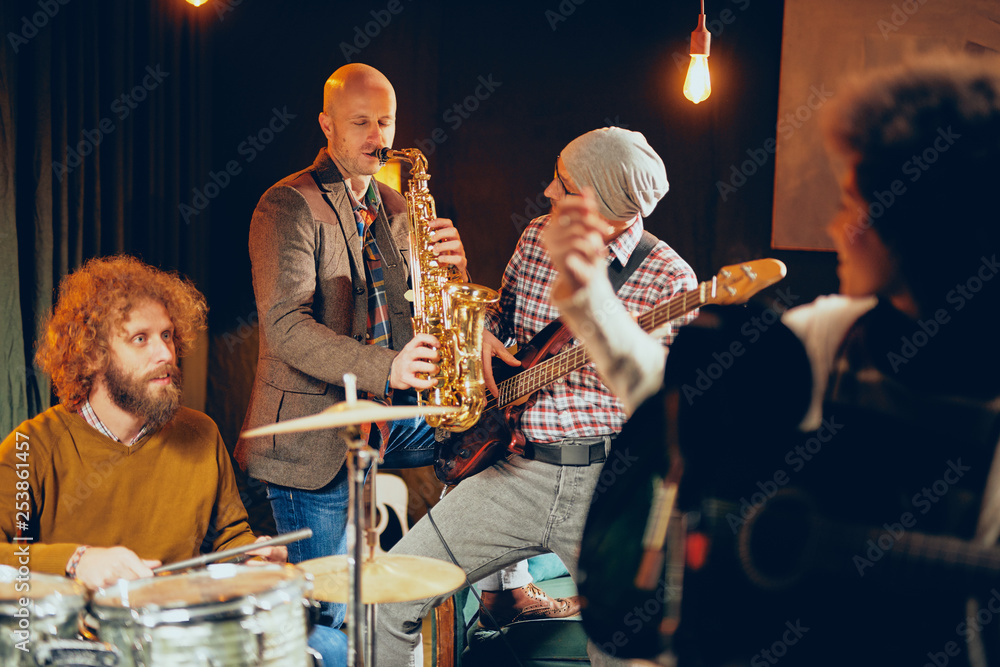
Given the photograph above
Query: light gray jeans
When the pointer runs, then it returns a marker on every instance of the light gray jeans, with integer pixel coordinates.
(514, 510)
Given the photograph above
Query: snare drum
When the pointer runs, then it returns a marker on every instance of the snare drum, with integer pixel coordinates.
(52, 611)
(220, 616)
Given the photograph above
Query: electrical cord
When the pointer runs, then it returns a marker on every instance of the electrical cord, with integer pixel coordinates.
(503, 636)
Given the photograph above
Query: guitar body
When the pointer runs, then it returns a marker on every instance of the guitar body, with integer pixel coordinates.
(763, 571)
(461, 455)
(464, 454)
(622, 617)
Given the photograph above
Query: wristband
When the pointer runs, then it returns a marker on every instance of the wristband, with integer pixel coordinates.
(74, 560)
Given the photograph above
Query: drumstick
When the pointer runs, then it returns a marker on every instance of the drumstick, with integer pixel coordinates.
(293, 536)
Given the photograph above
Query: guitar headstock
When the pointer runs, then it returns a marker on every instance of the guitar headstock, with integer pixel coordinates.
(738, 282)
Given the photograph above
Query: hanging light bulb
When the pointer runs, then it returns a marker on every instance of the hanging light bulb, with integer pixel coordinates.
(698, 83)
(197, 3)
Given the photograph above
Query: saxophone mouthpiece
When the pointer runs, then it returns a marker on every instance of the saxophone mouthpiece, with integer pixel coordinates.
(383, 155)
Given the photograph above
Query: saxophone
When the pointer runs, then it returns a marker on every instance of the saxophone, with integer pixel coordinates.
(444, 306)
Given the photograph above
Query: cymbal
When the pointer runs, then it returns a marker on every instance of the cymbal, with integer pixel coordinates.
(348, 413)
(386, 578)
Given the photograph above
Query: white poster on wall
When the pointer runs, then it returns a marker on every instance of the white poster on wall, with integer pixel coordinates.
(822, 43)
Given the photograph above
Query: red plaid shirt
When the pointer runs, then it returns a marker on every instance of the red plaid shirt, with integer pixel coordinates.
(577, 405)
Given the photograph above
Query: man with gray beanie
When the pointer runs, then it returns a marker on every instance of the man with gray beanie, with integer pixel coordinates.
(537, 502)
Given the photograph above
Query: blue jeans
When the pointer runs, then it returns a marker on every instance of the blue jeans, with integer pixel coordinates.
(411, 445)
(411, 441)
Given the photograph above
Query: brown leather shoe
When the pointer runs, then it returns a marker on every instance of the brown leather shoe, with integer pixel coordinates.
(525, 604)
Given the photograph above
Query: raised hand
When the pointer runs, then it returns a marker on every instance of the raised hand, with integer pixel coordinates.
(575, 240)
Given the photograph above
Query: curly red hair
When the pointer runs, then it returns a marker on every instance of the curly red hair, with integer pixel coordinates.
(94, 303)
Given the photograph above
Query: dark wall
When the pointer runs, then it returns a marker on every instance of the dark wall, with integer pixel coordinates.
(556, 70)
(103, 114)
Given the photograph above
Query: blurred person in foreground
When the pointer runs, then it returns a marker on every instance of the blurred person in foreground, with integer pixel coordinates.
(865, 423)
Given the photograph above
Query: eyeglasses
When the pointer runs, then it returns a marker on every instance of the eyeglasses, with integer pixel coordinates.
(563, 183)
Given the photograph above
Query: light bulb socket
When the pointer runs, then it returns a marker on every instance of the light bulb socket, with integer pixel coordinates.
(701, 38)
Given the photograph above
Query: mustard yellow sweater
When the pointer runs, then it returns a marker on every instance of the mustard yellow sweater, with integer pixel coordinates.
(71, 485)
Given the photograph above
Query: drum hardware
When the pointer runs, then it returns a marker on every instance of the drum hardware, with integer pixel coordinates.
(52, 614)
(224, 614)
(93, 652)
(76, 653)
(225, 554)
(368, 576)
(361, 459)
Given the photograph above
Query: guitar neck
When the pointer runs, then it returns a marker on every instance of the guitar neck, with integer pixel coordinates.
(910, 557)
(801, 541)
(680, 305)
(546, 372)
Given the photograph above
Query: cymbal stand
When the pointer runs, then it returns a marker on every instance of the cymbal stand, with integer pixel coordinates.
(371, 540)
(360, 457)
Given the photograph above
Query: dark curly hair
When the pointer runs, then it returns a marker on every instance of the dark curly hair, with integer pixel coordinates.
(933, 125)
(94, 303)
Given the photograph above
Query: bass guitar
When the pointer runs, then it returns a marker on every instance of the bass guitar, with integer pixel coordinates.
(543, 361)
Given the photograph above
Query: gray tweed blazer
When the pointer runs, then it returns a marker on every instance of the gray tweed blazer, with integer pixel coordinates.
(312, 306)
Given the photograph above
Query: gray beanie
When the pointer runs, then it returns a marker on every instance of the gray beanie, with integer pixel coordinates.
(622, 168)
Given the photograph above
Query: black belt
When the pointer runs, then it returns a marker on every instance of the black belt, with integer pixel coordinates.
(570, 452)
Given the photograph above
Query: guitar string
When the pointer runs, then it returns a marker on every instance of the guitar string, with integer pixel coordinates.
(577, 357)
(510, 390)
(542, 374)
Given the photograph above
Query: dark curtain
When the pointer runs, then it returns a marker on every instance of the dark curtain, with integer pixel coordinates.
(104, 128)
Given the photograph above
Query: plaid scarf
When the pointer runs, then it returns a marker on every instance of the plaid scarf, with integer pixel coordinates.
(379, 329)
